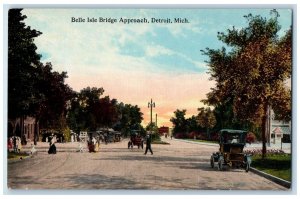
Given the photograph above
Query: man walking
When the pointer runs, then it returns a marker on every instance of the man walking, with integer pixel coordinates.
(148, 144)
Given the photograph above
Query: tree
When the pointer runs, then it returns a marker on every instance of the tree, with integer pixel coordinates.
(130, 118)
(179, 121)
(54, 94)
(206, 119)
(252, 74)
(85, 112)
(22, 63)
(192, 124)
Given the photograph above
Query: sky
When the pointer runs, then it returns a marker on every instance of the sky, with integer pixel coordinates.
(137, 62)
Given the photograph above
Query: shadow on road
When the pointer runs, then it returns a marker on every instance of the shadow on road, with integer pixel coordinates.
(97, 181)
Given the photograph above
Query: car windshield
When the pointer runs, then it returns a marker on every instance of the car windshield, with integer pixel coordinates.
(232, 138)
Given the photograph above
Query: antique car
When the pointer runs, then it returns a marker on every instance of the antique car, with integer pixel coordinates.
(231, 153)
(135, 140)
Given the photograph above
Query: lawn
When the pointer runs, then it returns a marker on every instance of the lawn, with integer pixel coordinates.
(278, 165)
(159, 142)
(205, 141)
(13, 155)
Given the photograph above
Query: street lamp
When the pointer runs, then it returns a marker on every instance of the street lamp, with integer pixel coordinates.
(151, 105)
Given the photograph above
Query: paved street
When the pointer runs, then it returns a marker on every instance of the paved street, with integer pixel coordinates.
(178, 166)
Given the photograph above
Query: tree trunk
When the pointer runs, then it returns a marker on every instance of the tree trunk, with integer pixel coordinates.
(36, 131)
(263, 132)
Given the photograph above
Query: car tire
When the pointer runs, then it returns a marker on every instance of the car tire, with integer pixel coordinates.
(212, 162)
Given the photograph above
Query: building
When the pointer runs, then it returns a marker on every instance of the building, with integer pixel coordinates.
(23, 128)
(278, 130)
(163, 130)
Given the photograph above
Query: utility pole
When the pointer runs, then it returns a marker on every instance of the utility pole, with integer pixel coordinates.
(151, 105)
(156, 119)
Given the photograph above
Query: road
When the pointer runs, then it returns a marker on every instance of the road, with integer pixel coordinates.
(178, 166)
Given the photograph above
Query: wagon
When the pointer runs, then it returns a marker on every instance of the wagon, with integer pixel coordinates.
(231, 153)
(135, 140)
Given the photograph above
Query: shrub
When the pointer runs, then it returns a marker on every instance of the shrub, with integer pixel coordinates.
(192, 135)
(180, 135)
(250, 138)
(215, 136)
(259, 151)
(202, 136)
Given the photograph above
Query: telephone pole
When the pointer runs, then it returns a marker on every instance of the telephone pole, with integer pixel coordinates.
(151, 105)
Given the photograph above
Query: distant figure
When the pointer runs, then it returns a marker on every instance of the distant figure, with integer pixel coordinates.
(80, 147)
(171, 137)
(33, 150)
(9, 144)
(15, 144)
(52, 148)
(19, 144)
(148, 145)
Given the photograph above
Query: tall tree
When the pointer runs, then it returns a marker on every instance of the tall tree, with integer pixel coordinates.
(253, 73)
(54, 95)
(130, 118)
(206, 119)
(22, 63)
(179, 121)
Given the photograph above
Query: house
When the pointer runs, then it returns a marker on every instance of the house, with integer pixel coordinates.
(23, 127)
(163, 130)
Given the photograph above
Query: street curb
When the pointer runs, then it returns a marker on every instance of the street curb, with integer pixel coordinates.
(202, 143)
(275, 179)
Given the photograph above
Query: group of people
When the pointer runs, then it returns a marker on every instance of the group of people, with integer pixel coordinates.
(93, 144)
(14, 144)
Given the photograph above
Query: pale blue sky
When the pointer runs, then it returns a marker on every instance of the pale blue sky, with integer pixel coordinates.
(134, 62)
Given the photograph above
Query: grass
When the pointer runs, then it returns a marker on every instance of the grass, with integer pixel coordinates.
(13, 155)
(159, 142)
(205, 141)
(278, 165)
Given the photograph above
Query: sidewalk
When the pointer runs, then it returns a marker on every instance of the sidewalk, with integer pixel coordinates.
(286, 147)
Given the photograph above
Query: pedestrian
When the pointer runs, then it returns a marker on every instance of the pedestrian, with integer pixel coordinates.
(15, 144)
(148, 145)
(52, 148)
(33, 150)
(9, 144)
(19, 144)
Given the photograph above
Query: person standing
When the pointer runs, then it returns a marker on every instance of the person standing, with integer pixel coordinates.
(148, 145)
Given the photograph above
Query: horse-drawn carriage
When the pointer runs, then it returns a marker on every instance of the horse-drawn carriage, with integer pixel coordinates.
(135, 140)
(231, 153)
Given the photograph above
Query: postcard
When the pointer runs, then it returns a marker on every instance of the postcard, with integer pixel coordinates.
(114, 99)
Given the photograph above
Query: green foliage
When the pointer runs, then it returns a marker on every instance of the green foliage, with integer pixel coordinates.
(251, 76)
(130, 118)
(277, 165)
(179, 121)
(33, 88)
(206, 118)
(22, 61)
(67, 134)
(89, 111)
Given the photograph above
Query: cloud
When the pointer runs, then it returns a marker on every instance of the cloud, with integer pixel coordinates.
(157, 50)
(94, 55)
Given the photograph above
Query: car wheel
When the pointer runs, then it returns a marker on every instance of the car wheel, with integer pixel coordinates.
(212, 162)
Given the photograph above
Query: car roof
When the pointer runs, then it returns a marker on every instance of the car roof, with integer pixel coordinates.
(232, 131)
